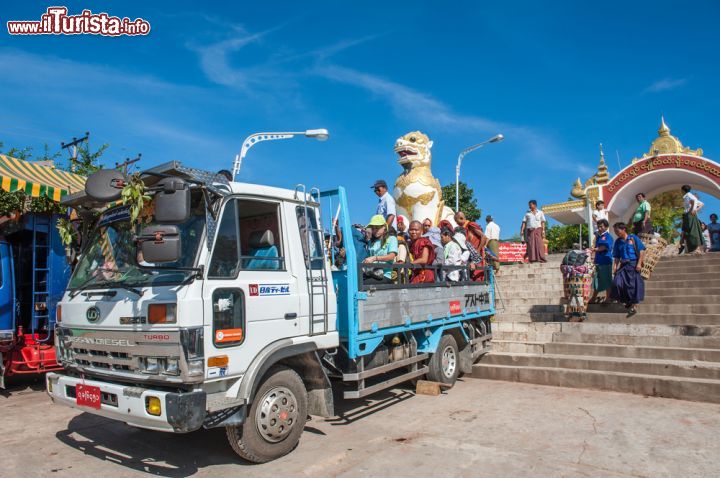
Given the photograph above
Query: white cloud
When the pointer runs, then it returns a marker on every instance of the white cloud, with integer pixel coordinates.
(665, 84)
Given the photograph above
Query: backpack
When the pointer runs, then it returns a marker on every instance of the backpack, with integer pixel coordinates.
(575, 258)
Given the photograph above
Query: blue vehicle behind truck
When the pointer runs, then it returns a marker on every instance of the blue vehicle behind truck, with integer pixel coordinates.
(33, 278)
(222, 309)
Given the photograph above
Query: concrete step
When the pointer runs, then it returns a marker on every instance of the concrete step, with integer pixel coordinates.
(628, 351)
(655, 283)
(644, 317)
(682, 299)
(674, 368)
(703, 259)
(696, 389)
(680, 341)
(681, 276)
(528, 294)
(658, 308)
(533, 309)
(629, 329)
(685, 269)
(670, 292)
(542, 317)
(518, 301)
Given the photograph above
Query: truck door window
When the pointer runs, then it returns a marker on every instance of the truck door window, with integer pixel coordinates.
(226, 255)
(228, 317)
(249, 238)
(314, 248)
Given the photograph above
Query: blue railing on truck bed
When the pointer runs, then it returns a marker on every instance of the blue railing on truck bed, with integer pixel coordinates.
(367, 315)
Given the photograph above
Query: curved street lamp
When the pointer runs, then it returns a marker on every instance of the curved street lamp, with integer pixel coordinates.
(494, 139)
(319, 134)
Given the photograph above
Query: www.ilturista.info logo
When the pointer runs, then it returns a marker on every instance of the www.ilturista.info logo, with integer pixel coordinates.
(56, 21)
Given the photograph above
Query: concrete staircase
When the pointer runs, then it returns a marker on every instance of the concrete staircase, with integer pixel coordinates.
(671, 348)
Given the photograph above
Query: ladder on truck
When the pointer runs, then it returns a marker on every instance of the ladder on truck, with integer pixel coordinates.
(315, 268)
(40, 309)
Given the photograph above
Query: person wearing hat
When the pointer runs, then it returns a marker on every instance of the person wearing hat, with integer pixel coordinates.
(386, 204)
(382, 249)
(402, 227)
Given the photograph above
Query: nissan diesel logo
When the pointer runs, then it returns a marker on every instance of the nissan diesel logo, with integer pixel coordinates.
(92, 314)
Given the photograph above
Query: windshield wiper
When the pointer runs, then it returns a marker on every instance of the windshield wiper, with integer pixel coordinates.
(82, 286)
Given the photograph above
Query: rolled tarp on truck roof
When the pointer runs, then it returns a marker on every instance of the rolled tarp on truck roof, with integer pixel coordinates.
(37, 180)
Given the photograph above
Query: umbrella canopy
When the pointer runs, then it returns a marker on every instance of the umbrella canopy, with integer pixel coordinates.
(36, 180)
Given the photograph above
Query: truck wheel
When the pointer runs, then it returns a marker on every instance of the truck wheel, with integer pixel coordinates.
(276, 418)
(444, 365)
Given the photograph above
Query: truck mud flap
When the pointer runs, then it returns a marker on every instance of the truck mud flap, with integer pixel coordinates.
(185, 411)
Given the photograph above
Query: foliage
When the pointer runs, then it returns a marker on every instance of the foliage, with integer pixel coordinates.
(85, 164)
(468, 203)
(134, 194)
(666, 213)
(561, 237)
(66, 230)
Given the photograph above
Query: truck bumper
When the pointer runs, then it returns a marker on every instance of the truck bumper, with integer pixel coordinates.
(180, 412)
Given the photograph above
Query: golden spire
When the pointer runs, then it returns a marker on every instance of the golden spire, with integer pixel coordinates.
(664, 129)
(666, 143)
(602, 175)
(577, 190)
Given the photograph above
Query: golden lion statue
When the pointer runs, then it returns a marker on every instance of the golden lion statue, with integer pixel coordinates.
(417, 192)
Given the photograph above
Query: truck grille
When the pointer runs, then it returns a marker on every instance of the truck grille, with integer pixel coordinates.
(119, 352)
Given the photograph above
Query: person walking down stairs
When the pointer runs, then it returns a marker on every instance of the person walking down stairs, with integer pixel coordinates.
(628, 286)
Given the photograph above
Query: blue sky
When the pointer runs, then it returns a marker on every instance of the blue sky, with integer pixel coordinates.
(555, 78)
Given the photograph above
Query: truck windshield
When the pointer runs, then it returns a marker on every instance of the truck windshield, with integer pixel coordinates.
(113, 258)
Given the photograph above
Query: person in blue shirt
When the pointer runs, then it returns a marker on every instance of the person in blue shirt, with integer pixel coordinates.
(602, 280)
(628, 285)
(382, 249)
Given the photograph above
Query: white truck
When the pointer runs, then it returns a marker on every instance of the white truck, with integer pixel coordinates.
(220, 307)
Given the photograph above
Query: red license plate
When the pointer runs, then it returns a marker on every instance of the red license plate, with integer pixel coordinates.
(88, 396)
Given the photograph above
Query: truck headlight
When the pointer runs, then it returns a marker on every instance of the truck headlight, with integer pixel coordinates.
(194, 350)
(152, 365)
(172, 367)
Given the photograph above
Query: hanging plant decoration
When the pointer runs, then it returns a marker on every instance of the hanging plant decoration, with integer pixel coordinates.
(134, 194)
(68, 235)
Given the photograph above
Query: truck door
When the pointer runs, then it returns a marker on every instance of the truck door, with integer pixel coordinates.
(7, 292)
(250, 295)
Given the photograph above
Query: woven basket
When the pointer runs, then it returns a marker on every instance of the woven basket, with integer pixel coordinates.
(653, 253)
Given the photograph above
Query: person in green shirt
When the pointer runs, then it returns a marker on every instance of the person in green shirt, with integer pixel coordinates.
(641, 219)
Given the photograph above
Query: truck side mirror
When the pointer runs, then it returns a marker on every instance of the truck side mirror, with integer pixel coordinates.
(105, 185)
(159, 243)
(172, 201)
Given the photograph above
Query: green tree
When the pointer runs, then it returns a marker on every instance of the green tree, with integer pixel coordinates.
(468, 203)
(666, 213)
(561, 237)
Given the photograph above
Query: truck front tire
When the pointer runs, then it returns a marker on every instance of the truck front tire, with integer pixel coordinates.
(444, 365)
(276, 418)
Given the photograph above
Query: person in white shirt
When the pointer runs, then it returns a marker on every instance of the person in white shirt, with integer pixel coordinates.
(386, 203)
(533, 232)
(452, 253)
(599, 213)
(492, 231)
(691, 227)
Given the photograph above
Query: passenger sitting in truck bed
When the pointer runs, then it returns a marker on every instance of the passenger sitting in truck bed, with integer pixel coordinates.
(423, 253)
(383, 249)
(452, 254)
(403, 257)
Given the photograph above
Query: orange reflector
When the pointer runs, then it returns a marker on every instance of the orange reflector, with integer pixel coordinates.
(161, 314)
(218, 361)
(58, 314)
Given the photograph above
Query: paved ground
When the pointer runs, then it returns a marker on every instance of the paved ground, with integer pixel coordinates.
(479, 428)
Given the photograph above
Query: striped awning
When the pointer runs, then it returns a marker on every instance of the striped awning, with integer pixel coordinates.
(35, 180)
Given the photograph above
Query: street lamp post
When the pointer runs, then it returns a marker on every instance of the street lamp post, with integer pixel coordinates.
(494, 139)
(319, 134)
